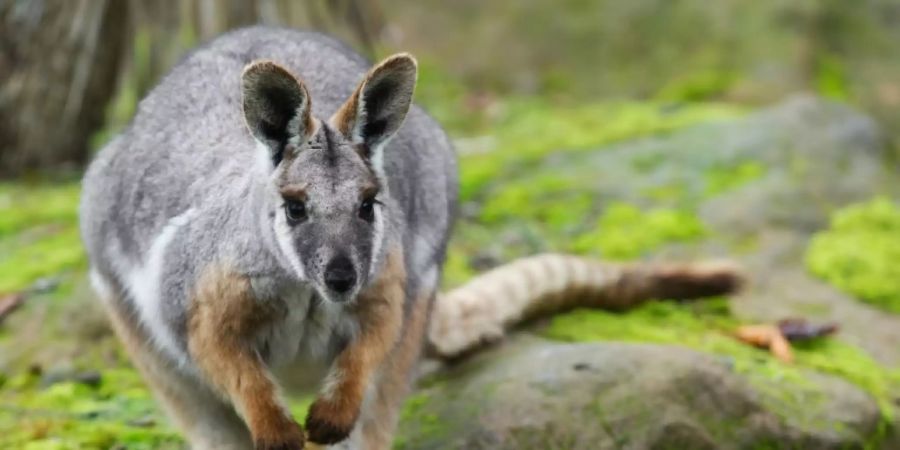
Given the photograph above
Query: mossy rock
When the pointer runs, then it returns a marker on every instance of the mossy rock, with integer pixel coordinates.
(534, 394)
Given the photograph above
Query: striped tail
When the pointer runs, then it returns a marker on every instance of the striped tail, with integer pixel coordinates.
(480, 311)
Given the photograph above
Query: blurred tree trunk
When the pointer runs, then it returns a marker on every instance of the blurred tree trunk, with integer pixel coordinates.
(59, 61)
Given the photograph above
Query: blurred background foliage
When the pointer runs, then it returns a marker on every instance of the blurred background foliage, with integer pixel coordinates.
(74, 70)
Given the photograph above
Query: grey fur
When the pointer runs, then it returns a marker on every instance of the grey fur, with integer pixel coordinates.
(189, 153)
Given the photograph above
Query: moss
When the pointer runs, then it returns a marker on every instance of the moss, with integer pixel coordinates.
(697, 86)
(530, 128)
(456, 268)
(831, 78)
(420, 423)
(668, 193)
(706, 327)
(625, 232)
(117, 413)
(718, 180)
(54, 252)
(38, 232)
(555, 201)
(24, 205)
(858, 253)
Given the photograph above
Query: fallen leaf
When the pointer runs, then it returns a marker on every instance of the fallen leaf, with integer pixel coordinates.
(768, 337)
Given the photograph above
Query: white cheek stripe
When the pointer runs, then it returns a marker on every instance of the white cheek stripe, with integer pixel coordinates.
(379, 242)
(143, 283)
(285, 244)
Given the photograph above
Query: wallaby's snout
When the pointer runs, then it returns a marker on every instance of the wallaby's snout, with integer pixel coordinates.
(340, 275)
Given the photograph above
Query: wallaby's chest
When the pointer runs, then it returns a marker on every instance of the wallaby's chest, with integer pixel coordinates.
(307, 329)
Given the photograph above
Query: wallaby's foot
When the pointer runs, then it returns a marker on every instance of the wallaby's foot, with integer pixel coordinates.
(328, 423)
(281, 436)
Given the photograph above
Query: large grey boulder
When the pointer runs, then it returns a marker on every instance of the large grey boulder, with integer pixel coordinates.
(534, 394)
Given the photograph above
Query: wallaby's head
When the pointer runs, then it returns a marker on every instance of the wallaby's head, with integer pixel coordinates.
(326, 205)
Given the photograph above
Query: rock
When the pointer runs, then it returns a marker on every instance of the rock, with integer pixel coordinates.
(534, 394)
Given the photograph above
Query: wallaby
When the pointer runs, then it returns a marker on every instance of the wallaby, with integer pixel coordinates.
(275, 201)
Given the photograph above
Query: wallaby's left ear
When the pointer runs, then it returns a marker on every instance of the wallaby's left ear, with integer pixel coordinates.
(377, 108)
(276, 107)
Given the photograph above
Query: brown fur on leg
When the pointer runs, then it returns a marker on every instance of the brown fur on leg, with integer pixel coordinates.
(223, 319)
(393, 386)
(207, 422)
(379, 309)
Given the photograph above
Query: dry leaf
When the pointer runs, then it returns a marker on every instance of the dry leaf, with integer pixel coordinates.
(767, 337)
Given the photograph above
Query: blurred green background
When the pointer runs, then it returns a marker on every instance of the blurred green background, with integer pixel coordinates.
(764, 131)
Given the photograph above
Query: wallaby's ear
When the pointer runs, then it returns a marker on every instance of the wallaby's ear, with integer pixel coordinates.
(377, 108)
(276, 106)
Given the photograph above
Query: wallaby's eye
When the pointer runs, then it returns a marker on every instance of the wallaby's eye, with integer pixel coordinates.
(367, 209)
(295, 211)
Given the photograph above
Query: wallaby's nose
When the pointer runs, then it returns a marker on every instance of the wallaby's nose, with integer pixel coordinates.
(339, 274)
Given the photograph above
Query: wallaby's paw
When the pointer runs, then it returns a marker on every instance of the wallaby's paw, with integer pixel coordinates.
(289, 437)
(328, 424)
(284, 445)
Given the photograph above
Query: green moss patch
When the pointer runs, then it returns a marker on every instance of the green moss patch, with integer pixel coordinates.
(553, 200)
(625, 232)
(55, 251)
(117, 413)
(38, 233)
(24, 205)
(859, 252)
(530, 129)
(719, 180)
(419, 421)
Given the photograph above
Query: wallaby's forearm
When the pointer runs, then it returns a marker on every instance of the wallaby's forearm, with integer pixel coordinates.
(223, 321)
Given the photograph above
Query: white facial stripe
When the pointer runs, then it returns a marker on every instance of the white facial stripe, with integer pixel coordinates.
(285, 244)
(377, 241)
(143, 283)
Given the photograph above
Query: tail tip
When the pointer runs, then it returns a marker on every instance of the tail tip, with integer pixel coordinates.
(704, 279)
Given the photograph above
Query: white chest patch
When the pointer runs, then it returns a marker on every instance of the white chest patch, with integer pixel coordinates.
(306, 331)
(143, 283)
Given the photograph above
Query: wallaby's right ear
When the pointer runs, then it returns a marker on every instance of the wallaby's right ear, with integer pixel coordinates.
(377, 108)
(276, 106)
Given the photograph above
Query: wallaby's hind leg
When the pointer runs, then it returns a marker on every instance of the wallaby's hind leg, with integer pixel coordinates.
(206, 421)
(379, 420)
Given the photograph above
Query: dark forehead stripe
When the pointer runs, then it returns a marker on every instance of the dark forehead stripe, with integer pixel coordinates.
(331, 154)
